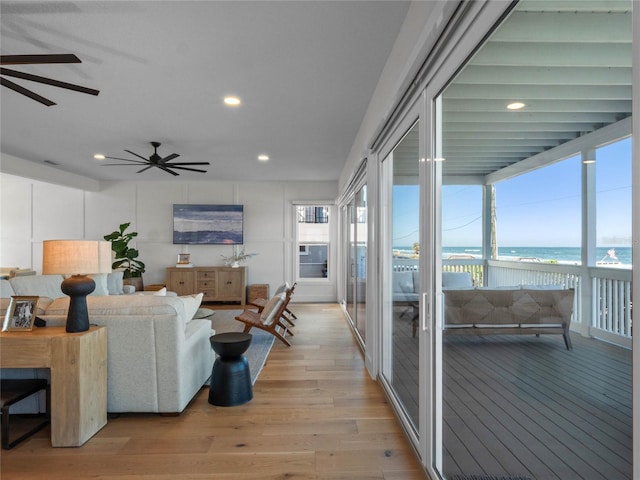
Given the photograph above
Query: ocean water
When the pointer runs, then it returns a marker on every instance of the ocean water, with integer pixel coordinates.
(568, 255)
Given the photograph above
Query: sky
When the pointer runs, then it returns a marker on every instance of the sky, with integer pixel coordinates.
(541, 208)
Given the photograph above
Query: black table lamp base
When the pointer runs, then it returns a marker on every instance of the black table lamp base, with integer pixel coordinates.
(78, 287)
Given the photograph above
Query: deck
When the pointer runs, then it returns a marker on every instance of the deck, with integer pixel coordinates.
(526, 406)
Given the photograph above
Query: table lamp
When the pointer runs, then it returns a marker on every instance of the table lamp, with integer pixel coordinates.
(76, 258)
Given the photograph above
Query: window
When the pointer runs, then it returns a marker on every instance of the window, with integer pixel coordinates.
(313, 241)
(313, 214)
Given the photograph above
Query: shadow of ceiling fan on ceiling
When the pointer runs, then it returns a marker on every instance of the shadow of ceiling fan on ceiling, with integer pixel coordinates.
(156, 160)
(38, 60)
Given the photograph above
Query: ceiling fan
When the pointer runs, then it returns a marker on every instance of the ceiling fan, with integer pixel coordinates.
(156, 160)
(36, 60)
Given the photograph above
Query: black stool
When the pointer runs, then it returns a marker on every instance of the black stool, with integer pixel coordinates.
(230, 377)
(11, 392)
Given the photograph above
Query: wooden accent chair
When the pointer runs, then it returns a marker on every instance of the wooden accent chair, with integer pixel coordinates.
(287, 315)
(268, 319)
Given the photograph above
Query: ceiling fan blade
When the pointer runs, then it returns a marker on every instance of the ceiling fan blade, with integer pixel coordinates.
(38, 59)
(17, 88)
(190, 169)
(167, 170)
(145, 168)
(121, 164)
(48, 81)
(187, 163)
(128, 160)
(139, 156)
(169, 157)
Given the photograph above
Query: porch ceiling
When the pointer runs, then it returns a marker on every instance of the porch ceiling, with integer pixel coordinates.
(568, 61)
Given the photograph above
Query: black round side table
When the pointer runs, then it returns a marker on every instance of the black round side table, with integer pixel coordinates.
(230, 378)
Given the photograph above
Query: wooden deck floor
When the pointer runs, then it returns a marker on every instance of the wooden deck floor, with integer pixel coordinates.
(521, 405)
(525, 406)
(315, 415)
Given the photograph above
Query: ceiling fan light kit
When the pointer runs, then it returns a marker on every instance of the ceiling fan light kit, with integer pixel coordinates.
(156, 160)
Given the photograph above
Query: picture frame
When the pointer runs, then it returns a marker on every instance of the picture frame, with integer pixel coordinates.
(21, 314)
(184, 258)
(200, 224)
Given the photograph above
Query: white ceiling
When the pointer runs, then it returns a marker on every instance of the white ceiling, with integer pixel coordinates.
(305, 72)
(568, 61)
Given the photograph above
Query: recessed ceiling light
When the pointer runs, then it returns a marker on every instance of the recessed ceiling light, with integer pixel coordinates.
(99, 156)
(232, 101)
(263, 157)
(516, 106)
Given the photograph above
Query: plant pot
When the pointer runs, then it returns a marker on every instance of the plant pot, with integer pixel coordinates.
(135, 281)
(235, 265)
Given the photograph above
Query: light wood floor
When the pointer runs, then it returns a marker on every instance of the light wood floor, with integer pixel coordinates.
(316, 414)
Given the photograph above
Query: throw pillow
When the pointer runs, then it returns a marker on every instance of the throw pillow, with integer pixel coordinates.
(191, 304)
(161, 293)
(282, 288)
(267, 316)
(101, 284)
(114, 283)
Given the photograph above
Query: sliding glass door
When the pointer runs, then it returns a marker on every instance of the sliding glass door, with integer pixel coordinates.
(401, 312)
(356, 253)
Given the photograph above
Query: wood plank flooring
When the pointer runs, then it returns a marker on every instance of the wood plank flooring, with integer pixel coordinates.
(316, 414)
(526, 406)
(520, 405)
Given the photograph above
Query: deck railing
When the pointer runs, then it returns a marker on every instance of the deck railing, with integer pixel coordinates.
(602, 305)
(611, 306)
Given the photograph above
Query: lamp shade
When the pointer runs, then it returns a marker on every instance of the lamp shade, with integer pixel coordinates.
(69, 257)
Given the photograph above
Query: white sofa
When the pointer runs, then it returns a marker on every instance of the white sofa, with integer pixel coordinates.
(158, 355)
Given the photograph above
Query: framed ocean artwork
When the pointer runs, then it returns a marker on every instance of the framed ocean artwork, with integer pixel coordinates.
(208, 224)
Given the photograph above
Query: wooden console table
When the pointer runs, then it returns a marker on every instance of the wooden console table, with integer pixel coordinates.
(218, 284)
(78, 363)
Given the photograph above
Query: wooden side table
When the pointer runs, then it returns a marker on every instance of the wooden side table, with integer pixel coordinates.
(78, 363)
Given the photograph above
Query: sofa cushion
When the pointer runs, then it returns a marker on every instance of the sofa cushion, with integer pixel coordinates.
(456, 280)
(39, 285)
(542, 287)
(500, 287)
(6, 290)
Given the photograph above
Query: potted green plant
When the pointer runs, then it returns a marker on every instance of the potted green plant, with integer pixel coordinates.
(126, 258)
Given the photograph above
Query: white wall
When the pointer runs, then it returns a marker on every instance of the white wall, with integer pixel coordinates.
(32, 211)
